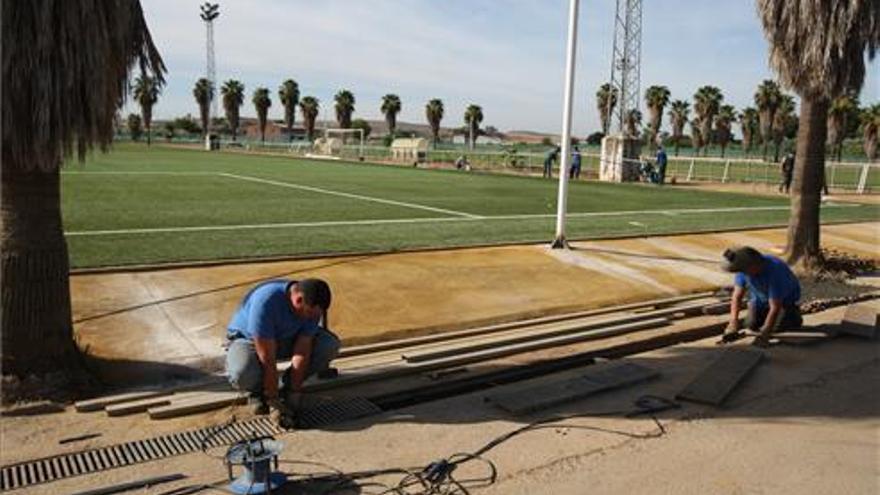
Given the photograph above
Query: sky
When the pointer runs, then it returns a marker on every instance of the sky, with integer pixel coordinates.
(506, 55)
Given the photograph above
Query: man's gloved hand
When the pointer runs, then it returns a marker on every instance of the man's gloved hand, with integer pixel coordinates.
(281, 414)
(731, 333)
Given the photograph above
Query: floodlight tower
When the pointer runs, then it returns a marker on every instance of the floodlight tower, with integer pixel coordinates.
(626, 58)
(211, 11)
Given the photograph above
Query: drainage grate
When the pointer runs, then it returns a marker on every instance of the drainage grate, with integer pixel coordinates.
(90, 461)
(336, 412)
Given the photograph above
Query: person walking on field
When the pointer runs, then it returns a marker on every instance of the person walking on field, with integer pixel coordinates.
(787, 169)
(774, 292)
(551, 157)
(279, 320)
(575, 171)
(661, 165)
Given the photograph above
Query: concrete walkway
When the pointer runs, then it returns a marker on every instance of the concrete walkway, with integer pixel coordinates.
(172, 321)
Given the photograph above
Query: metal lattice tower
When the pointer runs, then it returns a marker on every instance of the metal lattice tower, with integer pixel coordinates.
(626, 59)
(211, 11)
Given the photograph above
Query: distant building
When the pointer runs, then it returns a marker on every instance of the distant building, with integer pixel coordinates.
(275, 131)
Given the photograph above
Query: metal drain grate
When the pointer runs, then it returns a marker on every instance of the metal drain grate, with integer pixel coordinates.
(336, 412)
(90, 461)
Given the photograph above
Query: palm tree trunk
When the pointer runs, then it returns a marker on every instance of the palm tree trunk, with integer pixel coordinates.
(803, 226)
(37, 330)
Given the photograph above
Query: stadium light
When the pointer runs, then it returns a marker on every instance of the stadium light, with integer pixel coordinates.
(568, 101)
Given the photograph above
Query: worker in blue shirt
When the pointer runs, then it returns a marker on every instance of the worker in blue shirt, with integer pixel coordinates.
(774, 293)
(575, 171)
(279, 320)
(661, 165)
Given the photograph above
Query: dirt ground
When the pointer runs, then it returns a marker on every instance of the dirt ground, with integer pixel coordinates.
(772, 190)
(806, 421)
(166, 324)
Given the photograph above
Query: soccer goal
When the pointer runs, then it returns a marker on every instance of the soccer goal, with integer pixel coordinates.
(337, 144)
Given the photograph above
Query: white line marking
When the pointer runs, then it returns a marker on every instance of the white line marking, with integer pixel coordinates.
(345, 223)
(114, 172)
(349, 195)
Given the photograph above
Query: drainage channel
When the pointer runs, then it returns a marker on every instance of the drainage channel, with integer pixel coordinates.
(54, 468)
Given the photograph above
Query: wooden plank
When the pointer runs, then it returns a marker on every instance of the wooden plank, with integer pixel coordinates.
(139, 406)
(714, 384)
(563, 329)
(470, 332)
(198, 403)
(402, 369)
(861, 320)
(547, 395)
(101, 402)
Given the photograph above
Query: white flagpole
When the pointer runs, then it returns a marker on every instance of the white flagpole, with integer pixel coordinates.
(565, 161)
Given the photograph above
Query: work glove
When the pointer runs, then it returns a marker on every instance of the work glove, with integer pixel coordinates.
(281, 414)
(731, 333)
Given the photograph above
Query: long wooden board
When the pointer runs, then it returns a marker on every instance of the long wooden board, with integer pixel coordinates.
(101, 402)
(714, 384)
(402, 368)
(547, 395)
(203, 402)
(561, 329)
(488, 329)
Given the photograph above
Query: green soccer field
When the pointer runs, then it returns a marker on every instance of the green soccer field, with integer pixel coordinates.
(138, 205)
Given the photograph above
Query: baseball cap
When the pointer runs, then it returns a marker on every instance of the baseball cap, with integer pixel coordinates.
(740, 259)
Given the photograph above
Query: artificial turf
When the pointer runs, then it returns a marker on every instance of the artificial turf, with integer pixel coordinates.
(379, 207)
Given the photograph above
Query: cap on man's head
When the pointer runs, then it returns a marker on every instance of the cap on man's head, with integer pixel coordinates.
(315, 291)
(740, 259)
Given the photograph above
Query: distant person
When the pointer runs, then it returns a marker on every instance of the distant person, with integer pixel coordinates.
(462, 163)
(774, 292)
(575, 171)
(279, 320)
(787, 170)
(551, 157)
(661, 165)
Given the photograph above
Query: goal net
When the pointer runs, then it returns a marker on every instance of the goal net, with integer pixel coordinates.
(339, 143)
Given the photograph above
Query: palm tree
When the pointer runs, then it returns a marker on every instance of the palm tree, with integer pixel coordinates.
(473, 116)
(606, 100)
(723, 122)
(767, 101)
(871, 130)
(782, 122)
(838, 115)
(696, 135)
(203, 92)
(262, 102)
(309, 106)
(633, 121)
(288, 94)
(678, 116)
(656, 98)
(748, 121)
(434, 114)
(391, 107)
(707, 101)
(344, 105)
(233, 97)
(817, 48)
(65, 75)
(146, 92)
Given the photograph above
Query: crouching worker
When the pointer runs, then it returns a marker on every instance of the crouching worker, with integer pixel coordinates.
(280, 320)
(774, 292)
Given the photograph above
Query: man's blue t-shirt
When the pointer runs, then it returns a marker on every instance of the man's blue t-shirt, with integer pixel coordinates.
(661, 158)
(266, 313)
(776, 281)
(576, 159)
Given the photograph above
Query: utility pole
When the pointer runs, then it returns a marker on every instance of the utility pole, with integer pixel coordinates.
(626, 58)
(568, 101)
(211, 11)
